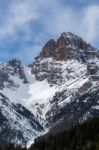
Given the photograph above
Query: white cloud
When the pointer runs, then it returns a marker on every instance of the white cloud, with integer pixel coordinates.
(90, 22)
(54, 16)
(19, 15)
(84, 22)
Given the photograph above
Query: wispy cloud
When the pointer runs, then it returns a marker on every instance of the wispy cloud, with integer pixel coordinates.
(84, 22)
(30, 23)
(18, 17)
(90, 22)
(54, 16)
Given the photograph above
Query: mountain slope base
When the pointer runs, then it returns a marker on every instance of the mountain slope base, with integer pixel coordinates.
(83, 136)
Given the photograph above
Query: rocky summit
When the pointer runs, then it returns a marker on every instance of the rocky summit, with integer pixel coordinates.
(58, 90)
(68, 46)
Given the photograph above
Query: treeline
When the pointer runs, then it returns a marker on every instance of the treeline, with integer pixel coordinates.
(81, 137)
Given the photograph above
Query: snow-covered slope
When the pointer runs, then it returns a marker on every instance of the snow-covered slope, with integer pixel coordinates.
(17, 125)
(58, 90)
(24, 104)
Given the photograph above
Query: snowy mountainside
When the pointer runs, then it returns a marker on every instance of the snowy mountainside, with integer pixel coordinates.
(71, 66)
(58, 90)
(24, 102)
(18, 125)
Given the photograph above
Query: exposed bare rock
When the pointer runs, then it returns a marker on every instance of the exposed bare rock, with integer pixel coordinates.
(67, 47)
(17, 69)
(85, 87)
(92, 69)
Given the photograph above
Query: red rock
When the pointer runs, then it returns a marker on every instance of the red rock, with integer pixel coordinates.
(68, 46)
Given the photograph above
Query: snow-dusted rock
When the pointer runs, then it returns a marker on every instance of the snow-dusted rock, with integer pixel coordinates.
(58, 90)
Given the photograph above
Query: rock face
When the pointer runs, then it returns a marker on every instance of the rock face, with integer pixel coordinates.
(12, 68)
(17, 69)
(80, 108)
(92, 69)
(67, 47)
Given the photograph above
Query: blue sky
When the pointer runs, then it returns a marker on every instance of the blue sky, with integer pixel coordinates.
(25, 25)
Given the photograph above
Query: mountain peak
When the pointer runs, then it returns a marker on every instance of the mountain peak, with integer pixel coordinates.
(71, 37)
(14, 62)
(67, 46)
(68, 34)
(18, 69)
